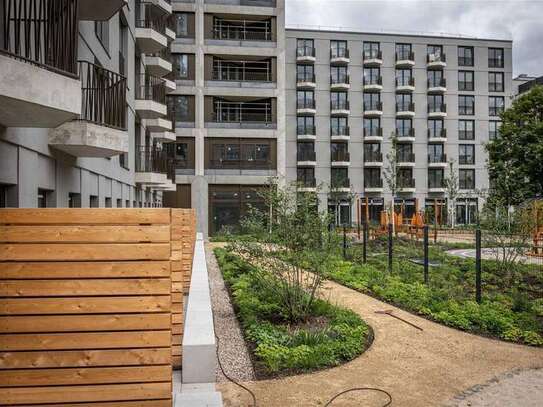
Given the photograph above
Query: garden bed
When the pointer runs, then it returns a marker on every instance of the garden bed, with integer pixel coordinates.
(331, 336)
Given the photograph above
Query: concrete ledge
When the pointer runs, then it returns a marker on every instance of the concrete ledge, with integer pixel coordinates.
(199, 359)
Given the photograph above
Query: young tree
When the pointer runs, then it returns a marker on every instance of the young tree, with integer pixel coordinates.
(516, 154)
(390, 173)
(451, 186)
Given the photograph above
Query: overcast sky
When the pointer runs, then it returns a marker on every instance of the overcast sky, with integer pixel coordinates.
(519, 20)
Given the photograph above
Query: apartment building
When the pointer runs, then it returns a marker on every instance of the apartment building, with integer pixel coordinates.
(349, 94)
(228, 106)
(83, 116)
(524, 83)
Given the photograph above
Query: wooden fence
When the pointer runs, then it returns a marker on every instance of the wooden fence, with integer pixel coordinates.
(86, 299)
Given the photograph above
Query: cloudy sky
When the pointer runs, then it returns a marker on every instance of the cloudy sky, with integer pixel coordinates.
(519, 20)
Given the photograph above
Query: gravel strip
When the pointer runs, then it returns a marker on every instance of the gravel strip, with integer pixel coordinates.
(233, 353)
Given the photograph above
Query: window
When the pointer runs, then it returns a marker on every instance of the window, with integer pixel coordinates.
(435, 78)
(371, 50)
(435, 53)
(178, 106)
(436, 153)
(372, 127)
(305, 99)
(435, 128)
(372, 178)
(108, 202)
(404, 77)
(101, 28)
(404, 102)
(338, 100)
(466, 105)
(372, 152)
(3, 196)
(119, 203)
(181, 25)
(305, 73)
(305, 125)
(435, 103)
(495, 105)
(465, 80)
(42, 198)
(339, 126)
(306, 176)
(495, 58)
(339, 177)
(74, 200)
(436, 178)
(405, 178)
(306, 151)
(465, 56)
(466, 211)
(403, 52)
(372, 76)
(305, 47)
(338, 74)
(372, 101)
(495, 81)
(466, 130)
(93, 201)
(466, 178)
(338, 49)
(180, 66)
(404, 153)
(404, 128)
(493, 129)
(466, 154)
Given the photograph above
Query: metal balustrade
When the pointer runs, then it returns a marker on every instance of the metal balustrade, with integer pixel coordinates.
(437, 158)
(151, 88)
(242, 112)
(150, 159)
(254, 71)
(242, 30)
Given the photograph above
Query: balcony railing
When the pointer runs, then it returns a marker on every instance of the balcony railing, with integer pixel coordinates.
(103, 96)
(242, 30)
(339, 53)
(242, 112)
(436, 58)
(340, 131)
(406, 182)
(439, 133)
(405, 56)
(225, 164)
(339, 79)
(405, 107)
(340, 182)
(305, 104)
(373, 183)
(41, 32)
(145, 18)
(339, 105)
(495, 62)
(373, 132)
(306, 130)
(437, 158)
(307, 182)
(305, 52)
(465, 61)
(406, 158)
(405, 81)
(466, 160)
(340, 156)
(244, 71)
(438, 108)
(377, 105)
(372, 54)
(372, 80)
(373, 157)
(437, 184)
(436, 83)
(405, 132)
(151, 160)
(307, 77)
(495, 111)
(163, 54)
(151, 88)
(306, 156)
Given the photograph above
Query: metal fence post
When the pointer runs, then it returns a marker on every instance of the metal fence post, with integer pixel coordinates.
(365, 242)
(390, 247)
(478, 265)
(344, 241)
(425, 230)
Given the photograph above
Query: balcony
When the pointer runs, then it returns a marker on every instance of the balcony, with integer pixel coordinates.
(340, 184)
(406, 185)
(340, 82)
(437, 110)
(438, 136)
(305, 55)
(437, 187)
(436, 61)
(306, 132)
(340, 158)
(405, 59)
(99, 10)
(242, 115)
(373, 134)
(39, 85)
(247, 166)
(437, 160)
(373, 159)
(158, 63)
(373, 109)
(306, 81)
(159, 125)
(307, 184)
(242, 30)
(373, 185)
(340, 108)
(405, 84)
(372, 57)
(101, 129)
(306, 107)
(405, 135)
(405, 160)
(306, 158)
(372, 84)
(150, 100)
(150, 30)
(437, 85)
(340, 133)
(151, 167)
(339, 56)
(405, 109)
(232, 71)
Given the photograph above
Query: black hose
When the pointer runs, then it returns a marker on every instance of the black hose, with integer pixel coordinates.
(388, 403)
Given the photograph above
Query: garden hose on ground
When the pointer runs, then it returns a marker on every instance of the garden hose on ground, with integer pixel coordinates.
(388, 403)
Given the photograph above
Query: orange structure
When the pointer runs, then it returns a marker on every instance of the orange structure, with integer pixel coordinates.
(537, 244)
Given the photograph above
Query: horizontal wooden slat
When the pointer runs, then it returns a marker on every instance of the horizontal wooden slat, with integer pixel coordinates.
(139, 403)
(177, 339)
(85, 340)
(84, 323)
(177, 329)
(177, 298)
(177, 318)
(80, 358)
(78, 270)
(61, 394)
(97, 234)
(78, 376)
(45, 288)
(84, 305)
(74, 251)
(103, 216)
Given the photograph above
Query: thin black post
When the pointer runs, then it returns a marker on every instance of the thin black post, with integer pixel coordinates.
(478, 265)
(365, 242)
(390, 247)
(425, 230)
(344, 241)
(358, 230)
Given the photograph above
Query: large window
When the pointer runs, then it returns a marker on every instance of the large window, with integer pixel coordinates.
(101, 28)
(403, 52)
(435, 78)
(466, 154)
(372, 152)
(466, 130)
(339, 126)
(404, 128)
(404, 77)
(436, 178)
(435, 128)
(371, 50)
(436, 153)
(404, 102)
(305, 99)
(496, 105)
(180, 66)
(465, 80)
(466, 178)
(181, 24)
(372, 127)
(465, 56)
(495, 81)
(495, 58)
(306, 176)
(435, 53)
(338, 74)
(74, 200)
(241, 154)
(435, 103)
(372, 101)
(494, 129)
(305, 73)
(466, 105)
(338, 49)
(372, 178)
(178, 108)
(305, 125)
(305, 47)
(466, 211)
(372, 76)
(404, 153)
(338, 100)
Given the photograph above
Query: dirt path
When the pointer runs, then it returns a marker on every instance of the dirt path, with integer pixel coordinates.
(419, 368)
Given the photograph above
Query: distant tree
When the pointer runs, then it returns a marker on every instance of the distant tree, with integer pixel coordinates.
(451, 188)
(390, 173)
(515, 155)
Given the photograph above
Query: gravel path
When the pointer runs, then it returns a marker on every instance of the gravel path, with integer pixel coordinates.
(232, 350)
(519, 388)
